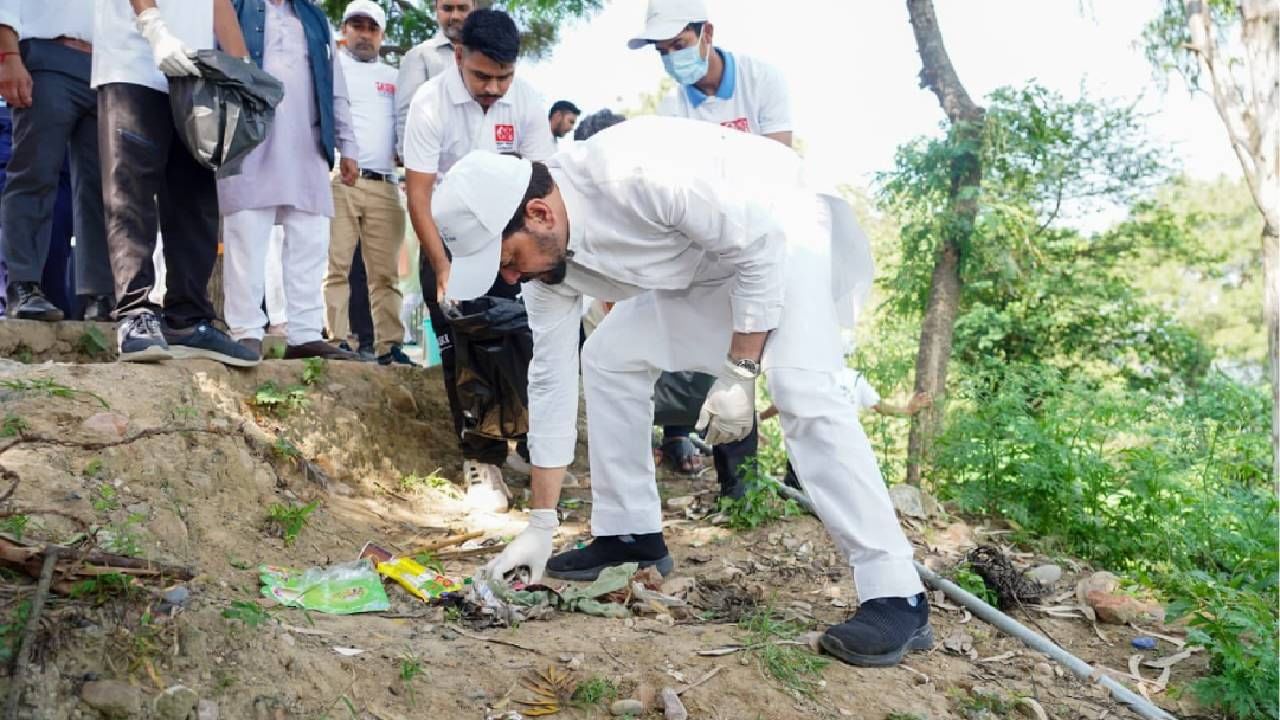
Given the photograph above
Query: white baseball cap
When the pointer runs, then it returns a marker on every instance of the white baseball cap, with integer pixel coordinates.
(666, 18)
(369, 9)
(475, 201)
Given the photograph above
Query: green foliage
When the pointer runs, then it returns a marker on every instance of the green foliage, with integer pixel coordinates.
(284, 449)
(793, 666)
(102, 588)
(313, 370)
(981, 704)
(13, 426)
(595, 690)
(11, 630)
(410, 669)
(1166, 39)
(421, 483)
(289, 520)
(761, 504)
(106, 498)
(49, 388)
(92, 343)
(122, 538)
(272, 399)
(965, 577)
(92, 469)
(250, 613)
(16, 525)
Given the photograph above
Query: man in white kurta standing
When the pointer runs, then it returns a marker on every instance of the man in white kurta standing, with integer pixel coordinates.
(479, 106)
(710, 234)
(368, 213)
(285, 180)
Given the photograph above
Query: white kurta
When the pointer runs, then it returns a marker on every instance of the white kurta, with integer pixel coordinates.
(701, 231)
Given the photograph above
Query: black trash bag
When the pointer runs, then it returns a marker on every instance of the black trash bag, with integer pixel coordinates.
(678, 397)
(225, 112)
(492, 347)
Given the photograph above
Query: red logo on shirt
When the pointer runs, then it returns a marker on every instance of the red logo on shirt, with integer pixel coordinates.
(739, 124)
(386, 88)
(504, 133)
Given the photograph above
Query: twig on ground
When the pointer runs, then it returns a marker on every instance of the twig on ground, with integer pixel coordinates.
(445, 542)
(29, 632)
(470, 552)
(696, 683)
(495, 641)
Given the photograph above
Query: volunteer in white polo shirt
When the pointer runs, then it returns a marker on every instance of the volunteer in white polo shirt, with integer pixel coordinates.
(149, 179)
(479, 106)
(368, 213)
(722, 255)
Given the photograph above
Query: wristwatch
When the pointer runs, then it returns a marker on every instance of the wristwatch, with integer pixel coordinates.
(743, 368)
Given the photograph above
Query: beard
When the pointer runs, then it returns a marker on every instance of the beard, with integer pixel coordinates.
(554, 276)
(550, 245)
(363, 50)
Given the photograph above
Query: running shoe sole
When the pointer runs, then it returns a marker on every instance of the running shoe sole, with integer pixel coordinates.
(664, 564)
(149, 354)
(921, 639)
(186, 352)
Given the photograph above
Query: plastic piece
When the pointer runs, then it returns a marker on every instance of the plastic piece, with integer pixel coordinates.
(1143, 642)
(344, 589)
(422, 582)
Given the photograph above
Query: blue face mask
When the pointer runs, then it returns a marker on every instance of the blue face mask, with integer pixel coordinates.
(687, 66)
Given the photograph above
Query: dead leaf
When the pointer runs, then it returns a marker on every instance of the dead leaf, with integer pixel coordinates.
(1035, 708)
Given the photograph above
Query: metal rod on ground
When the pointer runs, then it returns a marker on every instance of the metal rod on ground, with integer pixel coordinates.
(1030, 638)
(29, 634)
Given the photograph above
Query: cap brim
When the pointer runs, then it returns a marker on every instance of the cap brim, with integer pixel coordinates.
(657, 32)
(471, 276)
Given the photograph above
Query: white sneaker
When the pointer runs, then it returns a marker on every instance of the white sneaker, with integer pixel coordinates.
(486, 490)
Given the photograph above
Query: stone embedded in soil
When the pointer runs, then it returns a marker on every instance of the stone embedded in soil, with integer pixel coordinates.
(207, 710)
(112, 698)
(1046, 575)
(683, 502)
(908, 500)
(1101, 581)
(626, 707)
(110, 425)
(1120, 609)
(176, 703)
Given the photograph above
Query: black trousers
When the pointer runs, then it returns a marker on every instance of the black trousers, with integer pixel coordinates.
(150, 181)
(728, 457)
(359, 312)
(479, 449)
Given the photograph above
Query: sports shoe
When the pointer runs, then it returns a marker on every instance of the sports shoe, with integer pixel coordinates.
(140, 339)
(881, 632)
(203, 340)
(606, 551)
(486, 490)
(253, 345)
(395, 356)
(320, 349)
(98, 308)
(27, 302)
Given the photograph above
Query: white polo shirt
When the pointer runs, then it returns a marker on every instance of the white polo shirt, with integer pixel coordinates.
(35, 19)
(371, 87)
(122, 55)
(445, 123)
(752, 98)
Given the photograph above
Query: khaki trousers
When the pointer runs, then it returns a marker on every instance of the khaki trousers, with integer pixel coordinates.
(370, 214)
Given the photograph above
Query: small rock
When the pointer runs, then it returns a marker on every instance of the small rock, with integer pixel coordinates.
(1144, 642)
(1043, 670)
(1120, 609)
(958, 642)
(1046, 575)
(1101, 581)
(177, 595)
(626, 707)
(141, 508)
(177, 703)
(107, 424)
(683, 502)
(679, 586)
(774, 538)
(672, 708)
(791, 543)
(400, 399)
(476, 693)
(207, 710)
(907, 500)
(725, 575)
(113, 699)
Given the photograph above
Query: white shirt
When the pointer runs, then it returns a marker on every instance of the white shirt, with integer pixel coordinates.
(446, 123)
(856, 388)
(48, 19)
(122, 55)
(426, 60)
(650, 209)
(758, 102)
(372, 90)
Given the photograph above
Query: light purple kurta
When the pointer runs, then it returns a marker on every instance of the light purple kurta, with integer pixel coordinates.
(288, 169)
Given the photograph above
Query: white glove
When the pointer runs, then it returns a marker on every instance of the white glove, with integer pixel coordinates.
(531, 548)
(730, 409)
(171, 55)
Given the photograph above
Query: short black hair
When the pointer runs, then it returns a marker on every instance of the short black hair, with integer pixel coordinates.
(563, 106)
(540, 186)
(492, 33)
(595, 122)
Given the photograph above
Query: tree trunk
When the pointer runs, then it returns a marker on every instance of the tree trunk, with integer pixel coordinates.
(938, 327)
(1271, 316)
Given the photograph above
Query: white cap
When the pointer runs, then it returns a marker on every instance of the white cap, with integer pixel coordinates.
(666, 18)
(474, 202)
(369, 9)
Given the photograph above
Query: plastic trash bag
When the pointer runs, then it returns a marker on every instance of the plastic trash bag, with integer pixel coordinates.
(343, 589)
(225, 112)
(492, 348)
(678, 397)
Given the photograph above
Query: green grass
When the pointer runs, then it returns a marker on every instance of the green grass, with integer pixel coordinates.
(761, 504)
(965, 577)
(247, 612)
(313, 370)
(285, 450)
(49, 388)
(16, 525)
(106, 498)
(420, 483)
(122, 539)
(595, 690)
(102, 588)
(290, 519)
(11, 630)
(13, 426)
(792, 666)
(93, 344)
(275, 400)
(981, 704)
(410, 669)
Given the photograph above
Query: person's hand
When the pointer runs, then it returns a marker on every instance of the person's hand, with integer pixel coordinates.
(730, 409)
(531, 548)
(441, 268)
(15, 82)
(171, 55)
(918, 402)
(349, 169)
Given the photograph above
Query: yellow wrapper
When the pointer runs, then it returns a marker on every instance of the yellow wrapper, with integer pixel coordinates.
(422, 582)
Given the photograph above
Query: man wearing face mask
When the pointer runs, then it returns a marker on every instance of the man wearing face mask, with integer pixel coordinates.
(479, 106)
(732, 90)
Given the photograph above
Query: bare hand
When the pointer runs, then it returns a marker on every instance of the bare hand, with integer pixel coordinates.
(15, 82)
(349, 169)
(441, 268)
(918, 402)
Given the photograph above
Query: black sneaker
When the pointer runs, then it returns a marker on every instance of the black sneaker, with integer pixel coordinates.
(140, 339)
(395, 356)
(97, 308)
(609, 550)
(208, 342)
(27, 302)
(881, 632)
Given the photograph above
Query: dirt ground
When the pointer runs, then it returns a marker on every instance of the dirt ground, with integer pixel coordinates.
(194, 488)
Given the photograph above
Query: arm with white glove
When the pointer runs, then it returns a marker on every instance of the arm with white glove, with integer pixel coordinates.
(532, 547)
(172, 56)
(729, 412)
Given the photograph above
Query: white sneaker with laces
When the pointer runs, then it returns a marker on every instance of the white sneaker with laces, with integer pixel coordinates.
(486, 490)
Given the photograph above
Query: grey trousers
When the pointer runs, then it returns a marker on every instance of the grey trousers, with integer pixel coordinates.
(63, 118)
